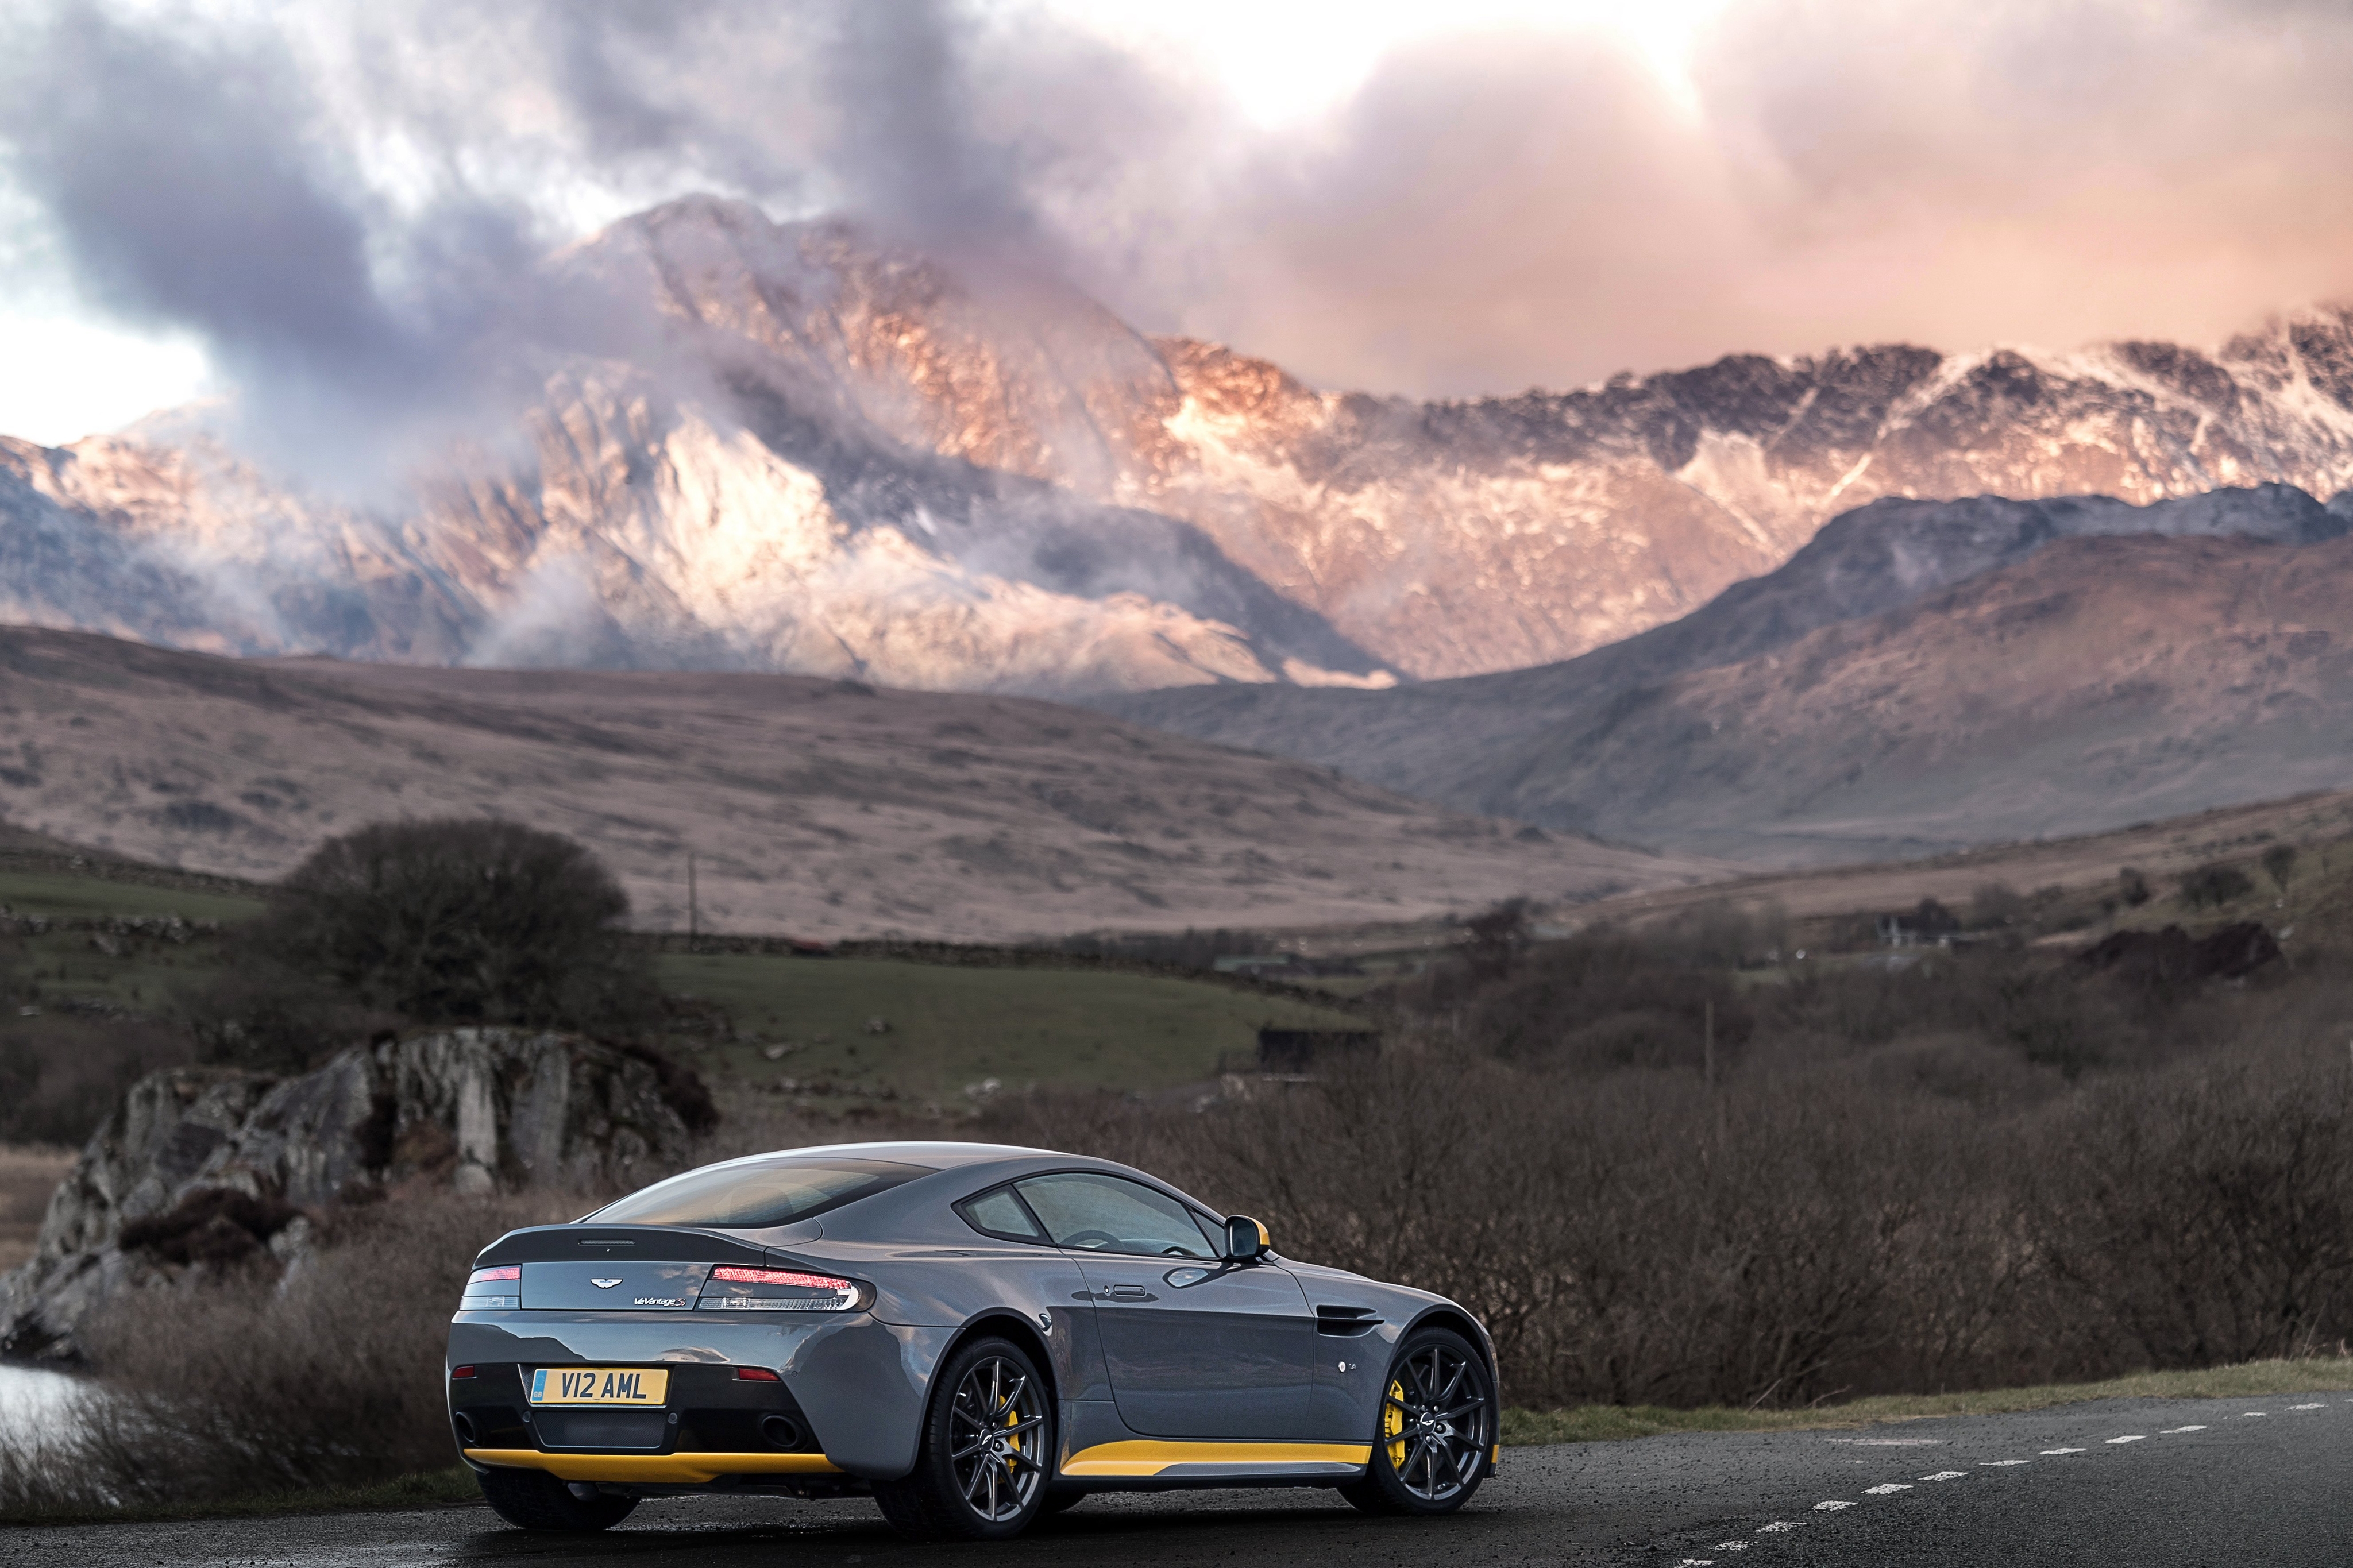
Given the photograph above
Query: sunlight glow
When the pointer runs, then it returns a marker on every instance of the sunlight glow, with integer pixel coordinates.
(1285, 64)
(63, 376)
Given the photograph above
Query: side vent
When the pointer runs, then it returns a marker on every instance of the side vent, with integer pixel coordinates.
(1347, 1321)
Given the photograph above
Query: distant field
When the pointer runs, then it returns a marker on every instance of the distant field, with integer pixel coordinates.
(64, 895)
(2162, 851)
(949, 1028)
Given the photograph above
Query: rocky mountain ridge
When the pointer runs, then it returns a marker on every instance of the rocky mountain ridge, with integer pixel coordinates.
(812, 452)
(1622, 741)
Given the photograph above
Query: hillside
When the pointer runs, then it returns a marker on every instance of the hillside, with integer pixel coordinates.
(1690, 735)
(794, 448)
(817, 807)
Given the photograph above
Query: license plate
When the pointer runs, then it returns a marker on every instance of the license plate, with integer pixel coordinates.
(599, 1386)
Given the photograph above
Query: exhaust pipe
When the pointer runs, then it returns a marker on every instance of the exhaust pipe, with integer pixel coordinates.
(781, 1430)
(464, 1423)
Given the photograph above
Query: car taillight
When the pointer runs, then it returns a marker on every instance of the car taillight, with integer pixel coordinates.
(779, 1291)
(755, 1374)
(492, 1289)
(456, 1372)
(780, 1277)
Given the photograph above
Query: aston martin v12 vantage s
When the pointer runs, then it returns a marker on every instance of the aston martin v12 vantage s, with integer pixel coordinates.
(970, 1334)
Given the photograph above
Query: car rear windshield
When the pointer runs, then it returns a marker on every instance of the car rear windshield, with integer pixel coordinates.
(742, 1196)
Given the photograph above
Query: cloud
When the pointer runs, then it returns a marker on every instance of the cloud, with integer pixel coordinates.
(193, 180)
(347, 203)
(1499, 210)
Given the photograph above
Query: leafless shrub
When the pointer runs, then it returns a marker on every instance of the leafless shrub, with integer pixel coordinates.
(2209, 1211)
(327, 1374)
(1804, 1231)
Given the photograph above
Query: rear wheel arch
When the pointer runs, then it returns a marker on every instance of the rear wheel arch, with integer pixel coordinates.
(936, 1499)
(1003, 1323)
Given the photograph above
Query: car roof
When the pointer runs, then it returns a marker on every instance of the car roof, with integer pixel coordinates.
(937, 1155)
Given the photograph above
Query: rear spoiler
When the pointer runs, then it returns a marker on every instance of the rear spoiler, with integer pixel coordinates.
(651, 1243)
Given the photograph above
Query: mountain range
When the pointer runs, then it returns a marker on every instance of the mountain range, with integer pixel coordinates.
(820, 454)
(1921, 677)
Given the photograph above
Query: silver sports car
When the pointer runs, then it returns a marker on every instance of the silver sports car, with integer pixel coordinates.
(971, 1335)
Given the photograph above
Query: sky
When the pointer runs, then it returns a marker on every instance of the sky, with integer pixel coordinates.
(328, 213)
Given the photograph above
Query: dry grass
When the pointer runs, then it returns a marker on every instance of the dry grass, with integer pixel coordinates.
(322, 1383)
(965, 817)
(28, 1174)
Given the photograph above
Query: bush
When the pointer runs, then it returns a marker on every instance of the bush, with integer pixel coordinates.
(462, 921)
(1996, 904)
(1799, 1235)
(2211, 887)
(61, 1075)
(328, 1374)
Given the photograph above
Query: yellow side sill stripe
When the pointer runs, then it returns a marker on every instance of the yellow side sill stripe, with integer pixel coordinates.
(676, 1469)
(1140, 1458)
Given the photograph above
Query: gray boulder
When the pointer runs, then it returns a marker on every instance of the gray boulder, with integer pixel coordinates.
(204, 1168)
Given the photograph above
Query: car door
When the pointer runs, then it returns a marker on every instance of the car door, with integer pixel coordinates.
(1195, 1347)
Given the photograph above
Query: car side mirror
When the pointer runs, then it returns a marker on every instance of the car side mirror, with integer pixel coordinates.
(1246, 1239)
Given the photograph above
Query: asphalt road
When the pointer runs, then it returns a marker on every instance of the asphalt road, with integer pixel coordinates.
(2151, 1483)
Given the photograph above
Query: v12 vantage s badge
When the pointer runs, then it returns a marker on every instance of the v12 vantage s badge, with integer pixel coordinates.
(915, 1322)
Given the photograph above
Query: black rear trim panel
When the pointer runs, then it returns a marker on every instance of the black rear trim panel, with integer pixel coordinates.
(620, 1243)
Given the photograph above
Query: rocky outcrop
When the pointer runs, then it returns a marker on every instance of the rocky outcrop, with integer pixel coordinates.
(208, 1167)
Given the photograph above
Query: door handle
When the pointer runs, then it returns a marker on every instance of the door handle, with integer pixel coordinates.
(1129, 1293)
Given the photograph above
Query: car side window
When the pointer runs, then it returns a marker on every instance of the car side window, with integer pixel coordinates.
(999, 1213)
(1110, 1214)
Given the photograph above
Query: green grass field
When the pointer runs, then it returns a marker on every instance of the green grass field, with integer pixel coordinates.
(136, 973)
(63, 895)
(949, 1028)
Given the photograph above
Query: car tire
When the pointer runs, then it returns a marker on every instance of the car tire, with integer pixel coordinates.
(533, 1499)
(991, 1394)
(1429, 1466)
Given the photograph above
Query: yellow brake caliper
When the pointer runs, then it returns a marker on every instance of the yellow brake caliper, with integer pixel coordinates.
(1393, 1424)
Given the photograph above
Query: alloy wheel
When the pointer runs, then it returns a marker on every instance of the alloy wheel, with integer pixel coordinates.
(994, 1426)
(1435, 1421)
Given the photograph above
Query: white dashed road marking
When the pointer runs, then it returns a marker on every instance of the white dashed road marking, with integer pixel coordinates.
(1889, 1489)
